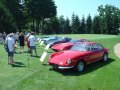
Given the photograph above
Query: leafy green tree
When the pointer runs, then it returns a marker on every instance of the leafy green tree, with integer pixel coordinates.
(96, 25)
(55, 26)
(62, 24)
(16, 9)
(38, 10)
(109, 19)
(7, 22)
(51, 26)
(102, 19)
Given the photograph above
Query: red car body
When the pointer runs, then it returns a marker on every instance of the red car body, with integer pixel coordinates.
(78, 58)
(66, 46)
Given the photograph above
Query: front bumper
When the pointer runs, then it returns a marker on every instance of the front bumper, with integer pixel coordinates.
(61, 67)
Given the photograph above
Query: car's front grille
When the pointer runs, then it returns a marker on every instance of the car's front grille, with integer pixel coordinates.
(54, 65)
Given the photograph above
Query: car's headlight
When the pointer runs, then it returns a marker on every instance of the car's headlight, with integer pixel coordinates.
(61, 48)
(69, 61)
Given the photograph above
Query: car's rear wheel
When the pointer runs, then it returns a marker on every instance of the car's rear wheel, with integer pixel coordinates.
(80, 66)
(105, 57)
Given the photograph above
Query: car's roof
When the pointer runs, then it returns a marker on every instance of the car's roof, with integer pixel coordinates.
(87, 42)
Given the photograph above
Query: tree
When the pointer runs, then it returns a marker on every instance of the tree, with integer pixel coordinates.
(51, 26)
(38, 10)
(83, 25)
(62, 24)
(67, 26)
(7, 22)
(96, 25)
(75, 24)
(89, 24)
(109, 16)
(16, 9)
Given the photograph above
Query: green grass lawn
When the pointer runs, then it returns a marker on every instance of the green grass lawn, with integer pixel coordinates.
(97, 76)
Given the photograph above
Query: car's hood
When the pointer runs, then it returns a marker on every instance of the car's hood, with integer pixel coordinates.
(63, 56)
(62, 45)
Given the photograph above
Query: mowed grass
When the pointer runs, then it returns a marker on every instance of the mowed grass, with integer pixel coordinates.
(37, 76)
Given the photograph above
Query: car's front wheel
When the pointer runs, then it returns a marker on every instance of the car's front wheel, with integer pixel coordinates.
(80, 66)
(105, 57)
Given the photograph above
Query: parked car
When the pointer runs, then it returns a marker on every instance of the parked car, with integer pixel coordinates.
(68, 45)
(59, 40)
(45, 37)
(51, 39)
(80, 55)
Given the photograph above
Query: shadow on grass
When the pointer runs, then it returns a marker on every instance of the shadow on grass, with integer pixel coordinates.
(18, 53)
(88, 68)
(18, 64)
(35, 56)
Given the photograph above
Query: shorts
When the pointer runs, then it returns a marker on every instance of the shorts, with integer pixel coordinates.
(10, 54)
(32, 47)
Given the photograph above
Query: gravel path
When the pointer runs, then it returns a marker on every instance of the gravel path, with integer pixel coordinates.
(117, 50)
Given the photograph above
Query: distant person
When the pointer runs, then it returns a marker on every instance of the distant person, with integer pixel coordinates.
(16, 37)
(1, 38)
(27, 41)
(21, 42)
(4, 36)
(11, 46)
(32, 41)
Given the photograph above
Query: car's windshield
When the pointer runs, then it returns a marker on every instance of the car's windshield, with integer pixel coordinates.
(73, 41)
(60, 39)
(80, 47)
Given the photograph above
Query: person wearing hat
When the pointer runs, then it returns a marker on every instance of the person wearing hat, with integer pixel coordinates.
(11, 46)
(32, 41)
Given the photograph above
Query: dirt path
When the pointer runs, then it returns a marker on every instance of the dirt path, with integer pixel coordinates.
(117, 50)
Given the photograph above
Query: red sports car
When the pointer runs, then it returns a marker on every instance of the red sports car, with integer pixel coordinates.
(68, 45)
(78, 56)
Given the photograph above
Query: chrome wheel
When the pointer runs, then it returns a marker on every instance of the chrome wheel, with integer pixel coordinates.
(105, 57)
(80, 66)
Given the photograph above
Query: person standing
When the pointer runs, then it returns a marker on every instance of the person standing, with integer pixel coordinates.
(22, 42)
(4, 36)
(32, 41)
(1, 38)
(27, 42)
(11, 46)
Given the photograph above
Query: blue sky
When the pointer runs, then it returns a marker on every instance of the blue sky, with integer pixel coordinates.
(80, 7)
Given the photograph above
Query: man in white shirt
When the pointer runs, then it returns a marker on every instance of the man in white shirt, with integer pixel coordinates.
(11, 46)
(32, 40)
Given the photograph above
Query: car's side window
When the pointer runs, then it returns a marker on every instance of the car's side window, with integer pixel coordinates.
(100, 46)
(94, 47)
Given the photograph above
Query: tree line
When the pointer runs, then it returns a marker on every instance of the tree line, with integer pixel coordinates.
(41, 16)
(106, 22)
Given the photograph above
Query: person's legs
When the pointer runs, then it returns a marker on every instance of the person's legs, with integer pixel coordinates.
(10, 58)
(31, 50)
(35, 51)
(22, 48)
